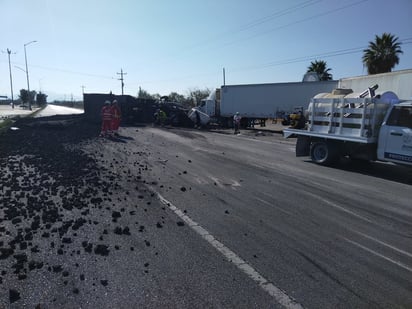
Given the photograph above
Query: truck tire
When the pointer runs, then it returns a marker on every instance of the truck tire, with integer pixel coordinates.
(324, 153)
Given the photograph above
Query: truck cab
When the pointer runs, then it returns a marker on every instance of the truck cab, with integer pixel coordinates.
(395, 135)
(207, 106)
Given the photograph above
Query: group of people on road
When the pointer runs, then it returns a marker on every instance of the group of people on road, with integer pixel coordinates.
(111, 117)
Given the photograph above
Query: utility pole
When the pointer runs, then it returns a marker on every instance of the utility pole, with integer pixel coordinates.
(83, 89)
(121, 78)
(11, 79)
(224, 77)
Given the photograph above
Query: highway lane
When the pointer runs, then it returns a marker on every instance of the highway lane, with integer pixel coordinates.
(328, 237)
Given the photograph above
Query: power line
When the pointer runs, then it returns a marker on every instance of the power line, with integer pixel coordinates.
(335, 53)
(329, 54)
(277, 14)
(312, 57)
(270, 17)
(295, 22)
(254, 23)
(72, 72)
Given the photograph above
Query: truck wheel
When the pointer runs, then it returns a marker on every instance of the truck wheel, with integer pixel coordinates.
(323, 153)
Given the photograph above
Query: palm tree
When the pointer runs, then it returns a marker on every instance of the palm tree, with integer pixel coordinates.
(319, 67)
(382, 55)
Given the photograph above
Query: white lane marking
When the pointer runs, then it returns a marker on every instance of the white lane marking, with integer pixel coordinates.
(384, 244)
(378, 254)
(330, 203)
(280, 296)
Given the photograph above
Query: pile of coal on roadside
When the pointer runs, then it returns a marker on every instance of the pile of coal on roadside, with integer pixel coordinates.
(46, 134)
(37, 164)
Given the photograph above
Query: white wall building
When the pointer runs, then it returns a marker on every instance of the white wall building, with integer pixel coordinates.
(399, 82)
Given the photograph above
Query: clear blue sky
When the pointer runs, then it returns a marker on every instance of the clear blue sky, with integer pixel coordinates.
(166, 46)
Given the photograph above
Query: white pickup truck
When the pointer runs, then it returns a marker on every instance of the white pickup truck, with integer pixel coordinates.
(364, 126)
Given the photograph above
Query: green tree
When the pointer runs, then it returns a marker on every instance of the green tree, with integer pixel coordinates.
(24, 96)
(383, 54)
(143, 94)
(176, 97)
(320, 67)
(196, 95)
(41, 99)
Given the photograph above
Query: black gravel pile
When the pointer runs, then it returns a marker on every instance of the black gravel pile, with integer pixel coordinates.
(47, 191)
(70, 201)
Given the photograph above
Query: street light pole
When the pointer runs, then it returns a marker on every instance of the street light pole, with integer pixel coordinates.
(27, 72)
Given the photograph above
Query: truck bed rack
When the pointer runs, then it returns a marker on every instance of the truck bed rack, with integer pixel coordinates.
(348, 119)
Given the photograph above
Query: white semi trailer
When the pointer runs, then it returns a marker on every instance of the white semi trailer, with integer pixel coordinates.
(359, 126)
(258, 102)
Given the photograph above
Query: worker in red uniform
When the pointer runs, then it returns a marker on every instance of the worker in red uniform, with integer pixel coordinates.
(106, 119)
(116, 117)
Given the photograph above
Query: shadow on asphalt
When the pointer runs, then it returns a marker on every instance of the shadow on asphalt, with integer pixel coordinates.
(387, 171)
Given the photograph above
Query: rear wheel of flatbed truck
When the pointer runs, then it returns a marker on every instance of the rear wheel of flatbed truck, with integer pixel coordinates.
(324, 153)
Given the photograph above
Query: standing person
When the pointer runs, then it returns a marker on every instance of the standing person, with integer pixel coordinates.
(162, 117)
(156, 117)
(116, 117)
(236, 121)
(106, 119)
(198, 123)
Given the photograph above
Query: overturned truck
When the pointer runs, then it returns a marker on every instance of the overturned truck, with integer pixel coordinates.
(135, 110)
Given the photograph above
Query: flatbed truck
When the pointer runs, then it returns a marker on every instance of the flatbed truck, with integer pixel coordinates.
(362, 127)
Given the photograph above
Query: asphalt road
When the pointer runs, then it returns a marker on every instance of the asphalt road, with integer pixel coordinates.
(328, 237)
(50, 110)
(180, 218)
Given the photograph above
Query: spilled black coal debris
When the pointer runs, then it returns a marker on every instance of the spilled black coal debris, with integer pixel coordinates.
(52, 195)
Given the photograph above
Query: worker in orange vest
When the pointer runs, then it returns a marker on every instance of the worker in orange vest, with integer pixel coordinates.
(106, 114)
(116, 117)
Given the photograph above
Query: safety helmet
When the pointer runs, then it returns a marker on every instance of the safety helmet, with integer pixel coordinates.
(114, 101)
(107, 102)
